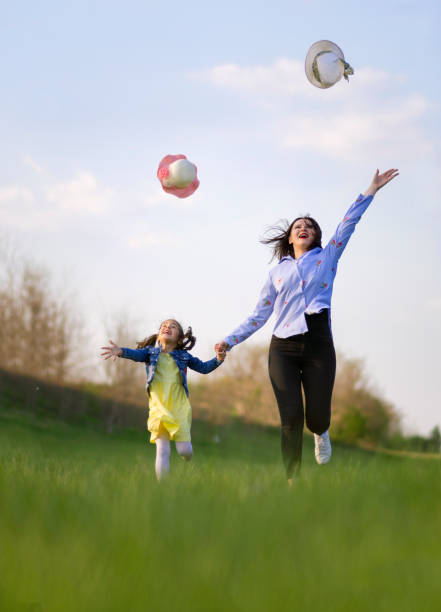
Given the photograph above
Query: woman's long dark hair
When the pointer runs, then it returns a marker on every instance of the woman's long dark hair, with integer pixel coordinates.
(186, 341)
(278, 237)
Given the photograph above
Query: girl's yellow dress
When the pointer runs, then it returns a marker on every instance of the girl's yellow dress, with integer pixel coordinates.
(169, 406)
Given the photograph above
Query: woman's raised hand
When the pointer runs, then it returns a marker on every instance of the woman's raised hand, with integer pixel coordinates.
(111, 351)
(380, 180)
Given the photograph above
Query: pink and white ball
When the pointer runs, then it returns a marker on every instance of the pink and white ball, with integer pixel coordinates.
(178, 175)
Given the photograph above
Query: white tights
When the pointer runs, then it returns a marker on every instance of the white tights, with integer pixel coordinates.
(162, 465)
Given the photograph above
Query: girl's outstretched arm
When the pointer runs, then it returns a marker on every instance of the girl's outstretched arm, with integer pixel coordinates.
(115, 351)
(203, 367)
(141, 355)
(111, 351)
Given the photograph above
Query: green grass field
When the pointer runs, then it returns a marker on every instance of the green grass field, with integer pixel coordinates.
(85, 526)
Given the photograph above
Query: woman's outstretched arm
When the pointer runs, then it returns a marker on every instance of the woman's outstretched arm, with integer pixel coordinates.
(346, 227)
(256, 320)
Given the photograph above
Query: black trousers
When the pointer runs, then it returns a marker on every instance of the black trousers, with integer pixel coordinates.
(303, 361)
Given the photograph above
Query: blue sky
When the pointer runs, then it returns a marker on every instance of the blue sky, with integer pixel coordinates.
(94, 94)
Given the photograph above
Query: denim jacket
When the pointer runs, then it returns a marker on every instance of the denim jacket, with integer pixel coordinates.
(150, 355)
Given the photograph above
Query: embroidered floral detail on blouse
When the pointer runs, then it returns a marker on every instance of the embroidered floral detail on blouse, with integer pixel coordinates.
(359, 199)
(346, 218)
(324, 285)
(279, 281)
(267, 303)
(287, 325)
(319, 262)
(339, 244)
(303, 283)
(285, 302)
(254, 323)
(235, 340)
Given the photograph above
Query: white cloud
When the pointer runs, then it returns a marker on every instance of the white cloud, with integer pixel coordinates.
(18, 206)
(285, 76)
(285, 79)
(374, 114)
(50, 205)
(353, 134)
(81, 194)
(15, 195)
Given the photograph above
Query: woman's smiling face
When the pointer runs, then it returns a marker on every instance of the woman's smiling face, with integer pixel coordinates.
(302, 235)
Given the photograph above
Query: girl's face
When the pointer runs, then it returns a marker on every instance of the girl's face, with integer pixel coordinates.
(302, 235)
(169, 332)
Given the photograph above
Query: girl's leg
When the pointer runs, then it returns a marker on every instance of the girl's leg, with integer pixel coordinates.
(185, 449)
(162, 465)
(284, 371)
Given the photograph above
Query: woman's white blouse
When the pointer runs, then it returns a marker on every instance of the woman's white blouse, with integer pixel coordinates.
(296, 287)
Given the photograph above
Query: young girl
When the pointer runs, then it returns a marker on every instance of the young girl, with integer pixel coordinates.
(166, 357)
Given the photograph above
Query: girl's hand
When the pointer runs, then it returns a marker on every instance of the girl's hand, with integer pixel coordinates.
(221, 346)
(220, 355)
(111, 351)
(380, 180)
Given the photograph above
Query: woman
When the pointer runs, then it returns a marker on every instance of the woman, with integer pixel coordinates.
(301, 354)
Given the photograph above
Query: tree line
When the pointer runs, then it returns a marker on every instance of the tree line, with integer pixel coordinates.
(40, 334)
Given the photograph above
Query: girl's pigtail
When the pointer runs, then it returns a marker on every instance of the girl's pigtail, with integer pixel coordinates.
(150, 341)
(187, 341)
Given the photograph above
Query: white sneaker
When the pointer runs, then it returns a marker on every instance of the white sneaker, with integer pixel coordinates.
(323, 450)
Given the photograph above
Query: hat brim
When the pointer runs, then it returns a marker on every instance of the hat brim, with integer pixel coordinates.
(322, 46)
